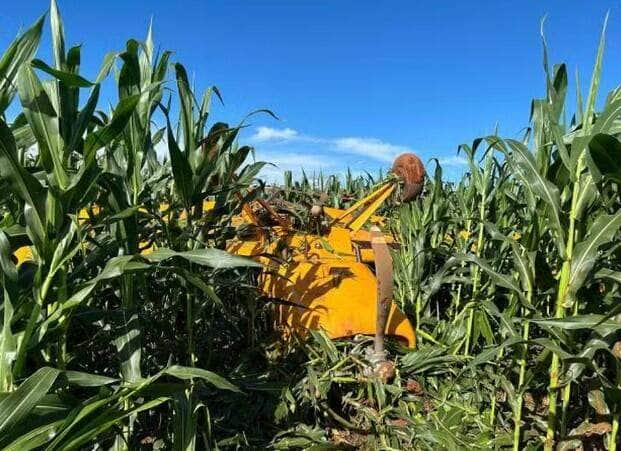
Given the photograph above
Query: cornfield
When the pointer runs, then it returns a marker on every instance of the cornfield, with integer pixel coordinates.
(130, 327)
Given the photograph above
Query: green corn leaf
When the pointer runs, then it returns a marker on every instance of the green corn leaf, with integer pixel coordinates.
(607, 120)
(128, 345)
(598, 323)
(8, 343)
(585, 255)
(130, 83)
(109, 418)
(605, 157)
(34, 227)
(146, 61)
(129, 77)
(161, 69)
(608, 274)
(440, 277)
(524, 262)
(24, 139)
(84, 119)
(106, 66)
(65, 250)
(24, 184)
(523, 162)
(123, 214)
(82, 379)
(18, 404)
(187, 111)
(214, 258)
(83, 183)
(559, 140)
(585, 358)
(198, 282)
(81, 413)
(550, 345)
(186, 373)
(93, 418)
(326, 344)
(595, 79)
(43, 120)
(69, 79)
(559, 91)
(491, 353)
(18, 53)
(184, 422)
(58, 36)
(34, 438)
(482, 327)
(428, 361)
(182, 172)
(579, 100)
(74, 58)
(120, 118)
(249, 172)
(503, 280)
(586, 196)
(203, 114)
(114, 268)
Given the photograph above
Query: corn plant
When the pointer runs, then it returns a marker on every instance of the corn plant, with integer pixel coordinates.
(546, 226)
(79, 184)
(117, 326)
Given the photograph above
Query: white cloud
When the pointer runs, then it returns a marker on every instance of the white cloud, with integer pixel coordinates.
(296, 162)
(291, 160)
(453, 161)
(264, 134)
(371, 148)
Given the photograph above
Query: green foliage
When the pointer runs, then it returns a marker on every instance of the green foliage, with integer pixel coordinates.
(132, 328)
(514, 267)
(75, 361)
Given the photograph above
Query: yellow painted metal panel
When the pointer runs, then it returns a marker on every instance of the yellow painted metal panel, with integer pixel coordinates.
(337, 297)
(23, 254)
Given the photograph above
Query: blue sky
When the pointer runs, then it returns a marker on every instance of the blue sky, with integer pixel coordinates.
(354, 81)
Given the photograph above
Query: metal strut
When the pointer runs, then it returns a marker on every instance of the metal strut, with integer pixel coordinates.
(383, 274)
